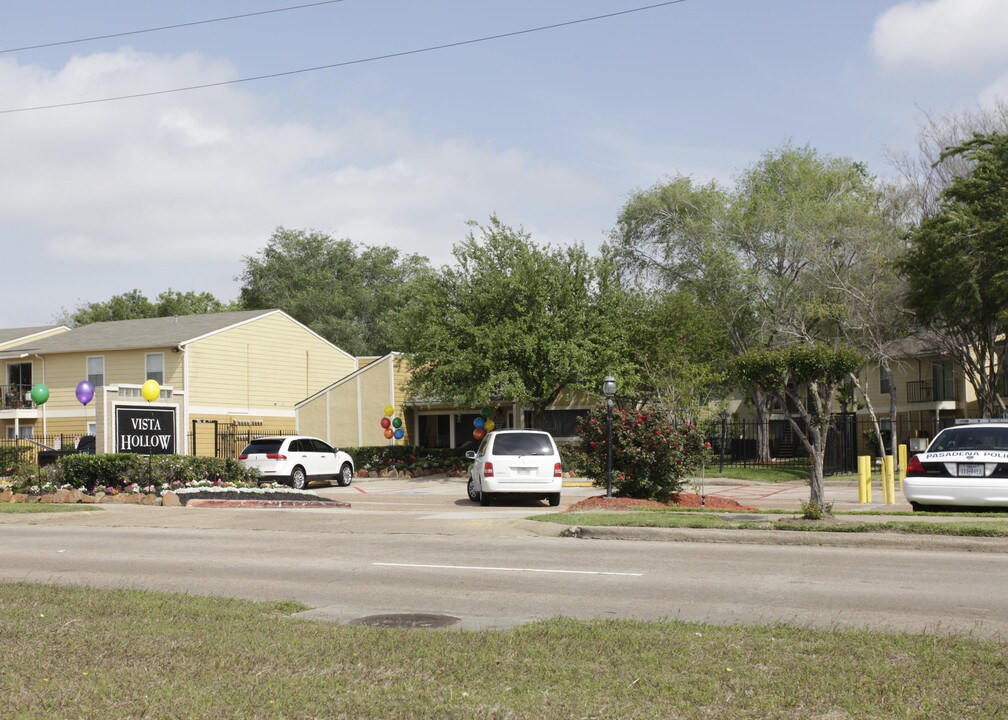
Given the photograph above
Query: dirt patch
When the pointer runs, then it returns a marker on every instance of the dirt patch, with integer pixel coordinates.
(680, 500)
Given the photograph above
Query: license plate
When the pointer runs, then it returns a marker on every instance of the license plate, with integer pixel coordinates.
(971, 470)
(524, 472)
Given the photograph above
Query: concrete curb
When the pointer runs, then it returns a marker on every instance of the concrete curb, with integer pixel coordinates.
(796, 538)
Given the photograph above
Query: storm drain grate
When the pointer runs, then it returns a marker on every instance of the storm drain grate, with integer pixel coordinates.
(407, 620)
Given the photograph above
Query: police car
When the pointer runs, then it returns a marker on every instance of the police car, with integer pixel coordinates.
(965, 465)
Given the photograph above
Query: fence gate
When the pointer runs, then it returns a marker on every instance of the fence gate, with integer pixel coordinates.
(226, 440)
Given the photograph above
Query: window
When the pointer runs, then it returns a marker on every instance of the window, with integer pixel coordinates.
(19, 374)
(885, 380)
(25, 432)
(96, 370)
(943, 380)
(155, 367)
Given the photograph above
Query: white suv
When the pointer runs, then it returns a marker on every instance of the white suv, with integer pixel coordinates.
(526, 462)
(298, 460)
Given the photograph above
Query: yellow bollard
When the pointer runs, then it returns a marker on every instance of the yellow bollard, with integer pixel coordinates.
(902, 465)
(888, 481)
(864, 478)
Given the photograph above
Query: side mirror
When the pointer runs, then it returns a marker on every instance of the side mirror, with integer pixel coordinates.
(470, 454)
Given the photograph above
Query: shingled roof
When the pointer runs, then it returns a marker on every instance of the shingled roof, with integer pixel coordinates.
(134, 334)
(10, 334)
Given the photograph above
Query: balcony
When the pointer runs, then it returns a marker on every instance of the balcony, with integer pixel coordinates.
(15, 397)
(925, 391)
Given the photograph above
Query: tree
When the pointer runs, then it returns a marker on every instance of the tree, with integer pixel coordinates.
(350, 295)
(760, 258)
(957, 268)
(134, 305)
(931, 170)
(807, 378)
(513, 321)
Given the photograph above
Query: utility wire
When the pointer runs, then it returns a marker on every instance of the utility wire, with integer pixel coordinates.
(168, 27)
(346, 63)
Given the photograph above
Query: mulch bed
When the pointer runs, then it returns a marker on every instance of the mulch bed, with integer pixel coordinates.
(680, 500)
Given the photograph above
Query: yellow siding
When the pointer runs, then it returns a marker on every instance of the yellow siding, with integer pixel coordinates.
(268, 364)
(311, 419)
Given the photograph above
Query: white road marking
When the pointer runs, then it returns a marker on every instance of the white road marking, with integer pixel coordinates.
(509, 569)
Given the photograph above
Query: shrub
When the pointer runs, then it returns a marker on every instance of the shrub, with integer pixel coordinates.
(121, 470)
(650, 454)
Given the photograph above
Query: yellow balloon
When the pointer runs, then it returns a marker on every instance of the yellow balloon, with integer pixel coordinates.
(151, 390)
(489, 425)
(389, 410)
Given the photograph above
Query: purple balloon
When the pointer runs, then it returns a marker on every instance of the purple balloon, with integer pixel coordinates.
(85, 392)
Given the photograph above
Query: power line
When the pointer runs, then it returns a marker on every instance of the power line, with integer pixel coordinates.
(168, 27)
(346, 63)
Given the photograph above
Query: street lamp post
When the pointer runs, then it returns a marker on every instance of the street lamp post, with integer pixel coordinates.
(609, 390)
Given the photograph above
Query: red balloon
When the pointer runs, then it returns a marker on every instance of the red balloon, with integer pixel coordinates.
(385, 422)
(478, 433)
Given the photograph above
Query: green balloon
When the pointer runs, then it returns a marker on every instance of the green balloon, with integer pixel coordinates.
(39, 394)
(486, 412)
(397, 422)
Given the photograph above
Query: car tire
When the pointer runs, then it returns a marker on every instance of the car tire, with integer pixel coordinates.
(484, 498)
(345, 476)
(917, 507)
(474, 495)
(298, 478)
(554, 499)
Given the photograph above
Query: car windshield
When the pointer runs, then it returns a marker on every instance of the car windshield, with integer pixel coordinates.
(263, 447)
(523, 444)
(971, 438)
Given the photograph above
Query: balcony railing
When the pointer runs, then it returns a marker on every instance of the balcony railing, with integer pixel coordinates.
(13, 397)
(925, 391)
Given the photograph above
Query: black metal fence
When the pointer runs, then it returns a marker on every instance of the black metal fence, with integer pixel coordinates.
(736, 442)
(227, 440)
(26, 450)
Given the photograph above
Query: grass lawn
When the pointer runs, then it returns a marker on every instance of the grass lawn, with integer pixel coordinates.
(695, 518)
(75, 652)
(760, 474)
(22, 508)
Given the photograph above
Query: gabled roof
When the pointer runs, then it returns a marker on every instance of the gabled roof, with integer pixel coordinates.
(135, 334)
(11, 334)
(919, 344)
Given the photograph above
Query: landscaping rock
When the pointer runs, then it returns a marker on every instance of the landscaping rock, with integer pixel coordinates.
(63, 497)
(98, 497)
(47, 498)
(6, 496)
(87, 499)
(150, 499)
(31, 499)
(170, 499)
(18, 497)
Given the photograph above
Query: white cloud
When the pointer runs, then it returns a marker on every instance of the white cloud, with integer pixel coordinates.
(943, 35)
(172, 191)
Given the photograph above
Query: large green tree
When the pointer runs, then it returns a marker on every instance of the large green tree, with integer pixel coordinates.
(134, 305)
(957, 268)
(515, 321)
(350, 295)
(766, 259)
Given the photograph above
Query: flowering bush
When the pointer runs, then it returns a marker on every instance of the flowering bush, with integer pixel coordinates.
(650, 454)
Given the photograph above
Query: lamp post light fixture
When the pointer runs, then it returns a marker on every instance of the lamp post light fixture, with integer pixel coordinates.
(609, 390)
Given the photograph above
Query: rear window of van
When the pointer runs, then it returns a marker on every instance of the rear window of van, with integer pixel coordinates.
(523, 444)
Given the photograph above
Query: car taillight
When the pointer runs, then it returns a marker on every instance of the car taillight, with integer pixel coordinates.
(488, 469)
(275, 456)
(557, 470)
(243, 456)
(915, 467)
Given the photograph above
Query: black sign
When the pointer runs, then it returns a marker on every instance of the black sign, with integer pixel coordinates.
(145, 430)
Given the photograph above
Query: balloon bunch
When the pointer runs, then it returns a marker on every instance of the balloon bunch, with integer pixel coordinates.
(392, 425)
(482, 424)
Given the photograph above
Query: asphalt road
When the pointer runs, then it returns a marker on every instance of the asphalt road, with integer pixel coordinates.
(420, 547)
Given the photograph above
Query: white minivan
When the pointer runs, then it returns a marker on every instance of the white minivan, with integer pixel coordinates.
(524, 462)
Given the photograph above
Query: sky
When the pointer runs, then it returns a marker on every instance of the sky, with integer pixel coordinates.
(550, 130)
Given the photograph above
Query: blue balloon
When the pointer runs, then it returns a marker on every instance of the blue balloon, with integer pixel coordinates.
(398, 434)
(479, 422)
